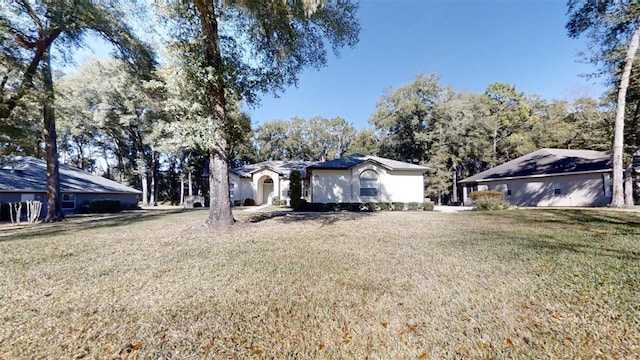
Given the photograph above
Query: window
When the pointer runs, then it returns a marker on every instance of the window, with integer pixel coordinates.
(68, 201)
(557, 190)
(232, 189)
(508, 189)
(369, 183)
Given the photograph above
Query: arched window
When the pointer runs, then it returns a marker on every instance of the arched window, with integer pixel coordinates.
(369, 183)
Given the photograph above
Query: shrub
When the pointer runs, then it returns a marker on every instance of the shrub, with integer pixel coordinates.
(372, 206)
(413, 206)
(295, 188)
(332, 207)
(384, 206)
(398, 206)
(304, 206)
(249, 202)
(237, 202)
(356, 206)
(317, 207)
(490, 203)
(102, 206)
(275, 201)
(428, 205)
(284, 202)
(343, 206)
(486, 194)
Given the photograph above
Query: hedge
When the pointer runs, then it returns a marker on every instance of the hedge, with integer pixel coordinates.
(486, 194)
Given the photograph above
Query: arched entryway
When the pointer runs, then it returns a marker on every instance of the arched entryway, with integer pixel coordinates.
(266, 190)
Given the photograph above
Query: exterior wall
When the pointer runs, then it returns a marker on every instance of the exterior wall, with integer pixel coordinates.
(242, 188)
(331, 186)
(126, 199)
(574, 190)
(344, 185)
(258, 183)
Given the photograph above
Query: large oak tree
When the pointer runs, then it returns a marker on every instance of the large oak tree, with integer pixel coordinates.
(246, 47)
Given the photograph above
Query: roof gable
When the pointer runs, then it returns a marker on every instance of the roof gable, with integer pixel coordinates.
(546, 162)
(283, 168)
(29, 174)
(350, 161)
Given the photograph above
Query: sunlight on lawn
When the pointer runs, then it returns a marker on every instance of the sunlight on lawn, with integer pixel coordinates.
(520, 283)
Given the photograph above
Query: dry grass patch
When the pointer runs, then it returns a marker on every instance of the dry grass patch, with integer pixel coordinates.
(514, 284)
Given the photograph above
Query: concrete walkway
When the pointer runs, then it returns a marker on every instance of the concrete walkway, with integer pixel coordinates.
(256, 208)
(451, 209)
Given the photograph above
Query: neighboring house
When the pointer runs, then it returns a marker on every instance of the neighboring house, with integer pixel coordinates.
(355, 178)
(25, 178)
(549, 177)
(361, 178)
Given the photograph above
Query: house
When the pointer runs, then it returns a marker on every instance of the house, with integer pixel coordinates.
(362, 178)
(25, 178)
(356, 178)
(549, 177)
(265, 181)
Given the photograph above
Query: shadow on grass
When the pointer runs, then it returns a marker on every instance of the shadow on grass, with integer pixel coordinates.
(82, 222)
(570, 227)
(624, 221)
(324, 218)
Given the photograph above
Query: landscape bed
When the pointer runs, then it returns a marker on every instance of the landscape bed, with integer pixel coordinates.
(511, 284)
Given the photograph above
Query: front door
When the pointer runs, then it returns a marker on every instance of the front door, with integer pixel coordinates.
(267, 190)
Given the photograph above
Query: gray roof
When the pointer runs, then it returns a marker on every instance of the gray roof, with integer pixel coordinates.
(283, 168)
(28, 174)
(547, 162)
(350, 161)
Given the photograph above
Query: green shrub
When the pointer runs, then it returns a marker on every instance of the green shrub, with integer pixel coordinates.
(237, 202)
(249, 202)
(332, 206)
(428, 205)
(304, 206)
(295, 188)
(355, 206)
(284, 202)
(486, 194)
(102, 206)
(372, 206)
(384, 206)
(343, 206)
(398, 206)
(317, 207)
(489, 203)
(275, 201)
(413, 206)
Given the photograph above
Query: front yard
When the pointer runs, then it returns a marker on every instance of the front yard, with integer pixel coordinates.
(514, 284)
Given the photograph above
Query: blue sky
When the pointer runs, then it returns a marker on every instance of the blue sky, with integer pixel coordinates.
(469, 43)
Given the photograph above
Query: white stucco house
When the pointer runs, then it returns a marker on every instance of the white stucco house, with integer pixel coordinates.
(549, 177)
(361, 178)
(352, 179)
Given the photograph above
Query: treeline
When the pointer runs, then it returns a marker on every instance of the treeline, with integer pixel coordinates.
(146, 134)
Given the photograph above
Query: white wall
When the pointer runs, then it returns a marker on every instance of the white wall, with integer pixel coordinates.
(344, 185)
(331, 186)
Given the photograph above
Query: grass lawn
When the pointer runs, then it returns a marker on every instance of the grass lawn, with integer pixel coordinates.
(413, 285)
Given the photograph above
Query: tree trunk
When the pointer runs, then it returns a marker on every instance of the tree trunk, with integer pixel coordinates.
(219, 200)
(618, 137)
(54, 204)
(628, 186)
(155, 182)
(145, 187)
